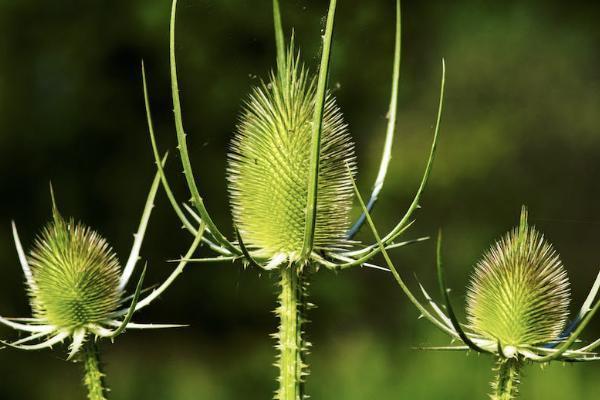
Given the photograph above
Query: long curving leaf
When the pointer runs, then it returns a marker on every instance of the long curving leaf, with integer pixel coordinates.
(317, 127)
(445, 294)
(134, 302)
(178, 211)
(170, 279)
(391, 127)
(134, 255)
(279, 39)
(415, 203)
(156, 153)
(245, 251)
(22, 257)
(560, 350)
(182, 145)
(424, 312)
(400, 226)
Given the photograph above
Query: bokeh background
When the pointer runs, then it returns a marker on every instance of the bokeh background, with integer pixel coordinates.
(521, 126)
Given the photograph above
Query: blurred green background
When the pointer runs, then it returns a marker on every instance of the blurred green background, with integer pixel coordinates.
(520, 127)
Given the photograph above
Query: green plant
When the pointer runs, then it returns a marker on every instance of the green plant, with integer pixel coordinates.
(517, 307)
(290, 176)
(77, 291)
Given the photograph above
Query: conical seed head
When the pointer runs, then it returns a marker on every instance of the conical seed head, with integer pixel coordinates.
(75, 275)
(268, 168)
(519, 293)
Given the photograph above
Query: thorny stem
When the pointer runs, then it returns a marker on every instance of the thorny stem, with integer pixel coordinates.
(505, 387)
(291, 342)
(94, 377)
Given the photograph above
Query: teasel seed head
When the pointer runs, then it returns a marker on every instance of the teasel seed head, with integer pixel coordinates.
(519, 293)
(268, 167)
(75, 275)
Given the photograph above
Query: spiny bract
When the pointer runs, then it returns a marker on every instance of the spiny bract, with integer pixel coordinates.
(75, 275)
(519, 293)
(269, 164)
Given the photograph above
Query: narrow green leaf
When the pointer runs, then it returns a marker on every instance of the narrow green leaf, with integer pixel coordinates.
(405, 221)
(134, 302)
(181, 140)
(139, 235)
(391, 126)
(161, 171)
(279, 39)
(560, 350)
(171, 278)
(394, 271)
(245, 251)
(443, 289)
(317, 127)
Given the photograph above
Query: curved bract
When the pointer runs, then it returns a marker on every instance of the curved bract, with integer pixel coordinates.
(75, 275)
(519, 292)
(269, 168)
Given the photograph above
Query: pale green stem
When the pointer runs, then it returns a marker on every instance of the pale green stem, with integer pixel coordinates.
(292, 346)
(94, 377)
(505, 387)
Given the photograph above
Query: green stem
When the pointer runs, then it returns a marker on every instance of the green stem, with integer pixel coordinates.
(94, 377)
(506, 385)
(292, 345)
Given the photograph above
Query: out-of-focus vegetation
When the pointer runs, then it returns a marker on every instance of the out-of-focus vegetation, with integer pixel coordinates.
(522, 125)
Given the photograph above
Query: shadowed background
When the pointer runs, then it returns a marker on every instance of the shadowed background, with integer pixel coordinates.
(520, 127)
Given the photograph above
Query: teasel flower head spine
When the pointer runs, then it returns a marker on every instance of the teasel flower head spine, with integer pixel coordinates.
(269, 167)
(519, 292)
(77, 290)
(517, 306)
(75, 276)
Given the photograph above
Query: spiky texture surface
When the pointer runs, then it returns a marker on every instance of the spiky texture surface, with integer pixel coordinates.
(519, 293)
(75, 275)
(292, 345)
(506, 385)
(94, 377)
(269, 163)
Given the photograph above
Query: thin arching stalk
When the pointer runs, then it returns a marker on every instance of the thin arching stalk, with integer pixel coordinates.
(94, 376)
(505, 387)
(292, 345)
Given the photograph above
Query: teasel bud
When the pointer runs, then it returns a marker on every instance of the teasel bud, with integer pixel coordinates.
(75, 276)
(519, 292)
(78, 290)
(269, 163)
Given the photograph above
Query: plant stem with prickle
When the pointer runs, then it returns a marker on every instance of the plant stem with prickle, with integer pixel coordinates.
(291, 343)
(505, 387)
(94, 377)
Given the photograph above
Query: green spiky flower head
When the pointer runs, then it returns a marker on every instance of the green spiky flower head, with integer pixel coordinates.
(74, 275)
(269, 164)
(519, 293)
